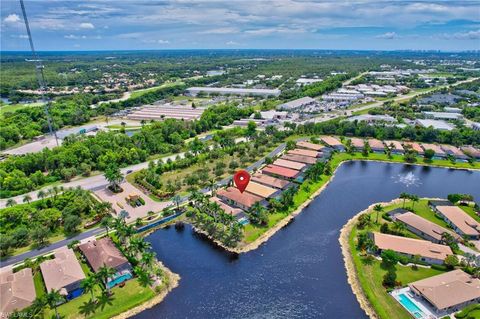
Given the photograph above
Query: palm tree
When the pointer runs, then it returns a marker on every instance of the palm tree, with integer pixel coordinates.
(41, 194)
(144, 277)
(404, 196)
(378, 209)
(177, 200)
(11, 202)
(123, 215)
(147, 259)
(106, 222)
(104, 273)
(212, 185)
(52, 299)
(399, 227)
(414, 199)
(88, 285)
(27, 198)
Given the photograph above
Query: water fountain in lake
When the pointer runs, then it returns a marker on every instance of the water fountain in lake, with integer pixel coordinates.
(408, 179)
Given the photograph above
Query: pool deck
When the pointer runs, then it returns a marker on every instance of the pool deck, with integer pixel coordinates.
(424, 306)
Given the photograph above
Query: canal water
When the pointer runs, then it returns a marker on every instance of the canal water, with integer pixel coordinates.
(299, 272)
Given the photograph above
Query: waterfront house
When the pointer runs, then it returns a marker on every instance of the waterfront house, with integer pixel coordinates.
(227, 208)
(289, 164)
(303, 152)
(376, 145)
(333, 142)
(414, 146)
(103, 253)
(394, 213)
(428, 251)
(439, 153)
(17, 290)
(282, 172)
(471, 151)
(460, 221)
(433, 203)
(451, 291)
(243, 200)
(299, 158)
(310, 146)
(262, 190)
(455, 152)
(357, 143)
(424, 228)
(395, 147)
(63, 273)
(271, 181)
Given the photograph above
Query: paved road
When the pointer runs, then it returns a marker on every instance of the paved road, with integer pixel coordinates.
(98, 231)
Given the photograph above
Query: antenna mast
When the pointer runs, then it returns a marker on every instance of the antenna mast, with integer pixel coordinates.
(39, 73)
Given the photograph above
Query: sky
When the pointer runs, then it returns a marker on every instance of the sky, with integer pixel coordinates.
(242, 24)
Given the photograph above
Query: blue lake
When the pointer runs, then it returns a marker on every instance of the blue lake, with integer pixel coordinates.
(299, 272)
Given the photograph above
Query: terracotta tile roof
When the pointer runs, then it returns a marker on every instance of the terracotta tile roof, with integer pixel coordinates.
(226, 208)
(448, 289)
(437, 149)
(397, 146)
(331, 141)
(304, 152)
(245, 199)
(281, 171)
(460, 219)
(299, 158)
(412, 246)
(102, 252)
(61, 271)
(17, 290)
(415, 146)
(260, 190)
(472, 151)
(357, 142)
(375, 144)
(455, 151)
(425, 226)
(270, 181)
(289, 164)
(310, 146)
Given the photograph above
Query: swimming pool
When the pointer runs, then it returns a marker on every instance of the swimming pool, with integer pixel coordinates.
(410, 306)
(119, 280)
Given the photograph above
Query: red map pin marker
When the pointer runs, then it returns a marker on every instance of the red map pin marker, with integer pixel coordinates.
(241, 179)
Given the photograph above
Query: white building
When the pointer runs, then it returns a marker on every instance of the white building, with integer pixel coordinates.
(305, 81)
(372, 118)
(193, 91)
(298, 103)
(443, 116)
(436, 124)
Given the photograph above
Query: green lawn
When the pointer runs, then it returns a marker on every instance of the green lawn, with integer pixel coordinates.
(14, 107)
(40, 288)
(471, 211)
(141, 92)
(252, 232)
(421, 208)
(124, 298)
(371, 276)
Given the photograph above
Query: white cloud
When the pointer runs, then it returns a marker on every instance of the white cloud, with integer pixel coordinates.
(467, 35)
(387, 35)
(163, 42)
(232, 43)
(86, 25)
(12, 18)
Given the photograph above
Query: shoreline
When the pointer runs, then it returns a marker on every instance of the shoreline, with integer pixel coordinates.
(416, 164)
(172, 283)
(352, 275)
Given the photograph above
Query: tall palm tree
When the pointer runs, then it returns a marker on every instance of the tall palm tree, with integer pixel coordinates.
(106, 222)
(414, 199)
(11, 202)
(399, 227)
(27, 198)
(88, 285)
(404, 196)
(52, 299)
(176, 200)
(123, 215)
(378, 209)
(212, 185)
(104, 273)
(144, 277)
(41, 194)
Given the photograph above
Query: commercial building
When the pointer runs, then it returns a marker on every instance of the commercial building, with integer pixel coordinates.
(333, 142)
(305, 81)
(439, 152)
(302, 152)
(63, 273)
(299, 158)
(289, 164)
(273, 115)
(460, 221)
(423, 228)
(271, 181)
(372, 118)
(159, 113)
(17, 290)
(281, 172)
(443, 116)
(103, 253)
(298, 104)
(395, 147)
(243, 200)
(436, 124)
(376, 146)
(428, 251)
(450, 291)
(193, 91)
